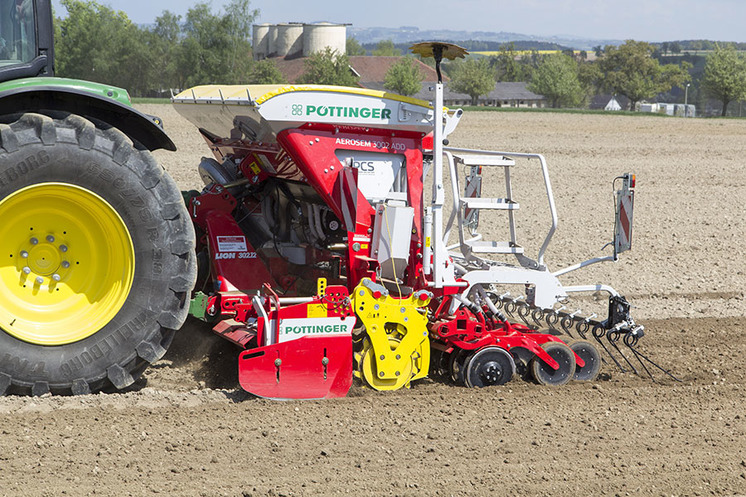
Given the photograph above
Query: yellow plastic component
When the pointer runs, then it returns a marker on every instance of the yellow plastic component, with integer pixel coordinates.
(321, 287)
(396, 349)
(67, 263)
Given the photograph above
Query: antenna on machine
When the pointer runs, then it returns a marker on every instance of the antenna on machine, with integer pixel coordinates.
(438, 50)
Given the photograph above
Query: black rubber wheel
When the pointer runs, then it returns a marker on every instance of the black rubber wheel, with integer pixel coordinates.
(489, 366)
(439, 364)
(592, 358)
(522, 360)
(457, 363)
(545, 375)
(78, 159)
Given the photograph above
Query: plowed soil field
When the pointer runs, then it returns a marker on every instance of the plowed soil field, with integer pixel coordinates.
(186, 428)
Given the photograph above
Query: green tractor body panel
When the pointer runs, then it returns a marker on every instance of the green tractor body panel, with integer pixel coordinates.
(97, 89)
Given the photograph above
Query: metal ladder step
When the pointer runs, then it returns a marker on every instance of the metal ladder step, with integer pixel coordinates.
(489, 203)
(486, 160)
(487, 247)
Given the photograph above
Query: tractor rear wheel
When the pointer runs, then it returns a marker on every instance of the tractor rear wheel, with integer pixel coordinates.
(96, 257)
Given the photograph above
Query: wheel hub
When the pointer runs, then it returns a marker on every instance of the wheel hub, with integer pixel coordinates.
(44, 259)
(490, 372)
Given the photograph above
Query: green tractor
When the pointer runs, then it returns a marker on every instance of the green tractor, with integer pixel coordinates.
(96, 246)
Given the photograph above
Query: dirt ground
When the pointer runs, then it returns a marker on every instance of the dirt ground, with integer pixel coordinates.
(187, 428)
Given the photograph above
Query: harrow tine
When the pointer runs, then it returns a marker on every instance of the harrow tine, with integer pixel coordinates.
(598, 333)
(523, 312)
(583, 326)
(509, 307)
(514, 305)
(552, 318)
(630, 340)
(640, 356)
(634, 352)
(537, 315)
(613, 337)
(566, 324)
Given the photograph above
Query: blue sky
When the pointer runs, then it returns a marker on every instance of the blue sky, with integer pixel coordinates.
(646, 20)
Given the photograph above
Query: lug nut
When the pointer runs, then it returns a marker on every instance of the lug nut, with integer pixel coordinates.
(50, 238)
(24, 254)
(65, 264)
(56, 277)
(27, 270)
(63, 248)
(34, 241)
(39, 280)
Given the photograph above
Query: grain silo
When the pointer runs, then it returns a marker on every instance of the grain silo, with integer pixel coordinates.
(272, 40)
(318, 36)
(289, 39)
(260, 41)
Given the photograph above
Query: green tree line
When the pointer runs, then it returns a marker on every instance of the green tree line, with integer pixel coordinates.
(97, 43)
(633, 69)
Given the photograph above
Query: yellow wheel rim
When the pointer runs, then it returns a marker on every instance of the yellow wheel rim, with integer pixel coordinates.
(67, 263)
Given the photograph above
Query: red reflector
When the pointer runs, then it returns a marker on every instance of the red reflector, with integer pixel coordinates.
(427, 142)
(376, 295)
(633, 181)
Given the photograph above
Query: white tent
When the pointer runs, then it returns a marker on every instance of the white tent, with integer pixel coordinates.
(613, 105)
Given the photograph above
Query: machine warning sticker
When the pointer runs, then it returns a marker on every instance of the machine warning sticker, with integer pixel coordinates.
(232, 244)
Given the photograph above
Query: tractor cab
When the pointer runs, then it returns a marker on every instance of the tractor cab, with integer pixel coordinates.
(26, 44)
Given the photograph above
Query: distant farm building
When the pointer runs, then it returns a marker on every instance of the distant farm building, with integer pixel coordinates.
(601, 102)
(679, 110)
(512, 94)
(613, 105)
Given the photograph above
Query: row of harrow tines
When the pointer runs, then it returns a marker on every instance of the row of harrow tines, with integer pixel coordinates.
(617, 329)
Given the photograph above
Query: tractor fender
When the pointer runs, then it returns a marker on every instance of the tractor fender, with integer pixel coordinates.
(139, 127)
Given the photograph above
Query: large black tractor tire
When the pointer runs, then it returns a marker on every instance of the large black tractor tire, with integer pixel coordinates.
(96, 256)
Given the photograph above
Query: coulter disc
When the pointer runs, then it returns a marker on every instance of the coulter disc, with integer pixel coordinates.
(489, 366)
